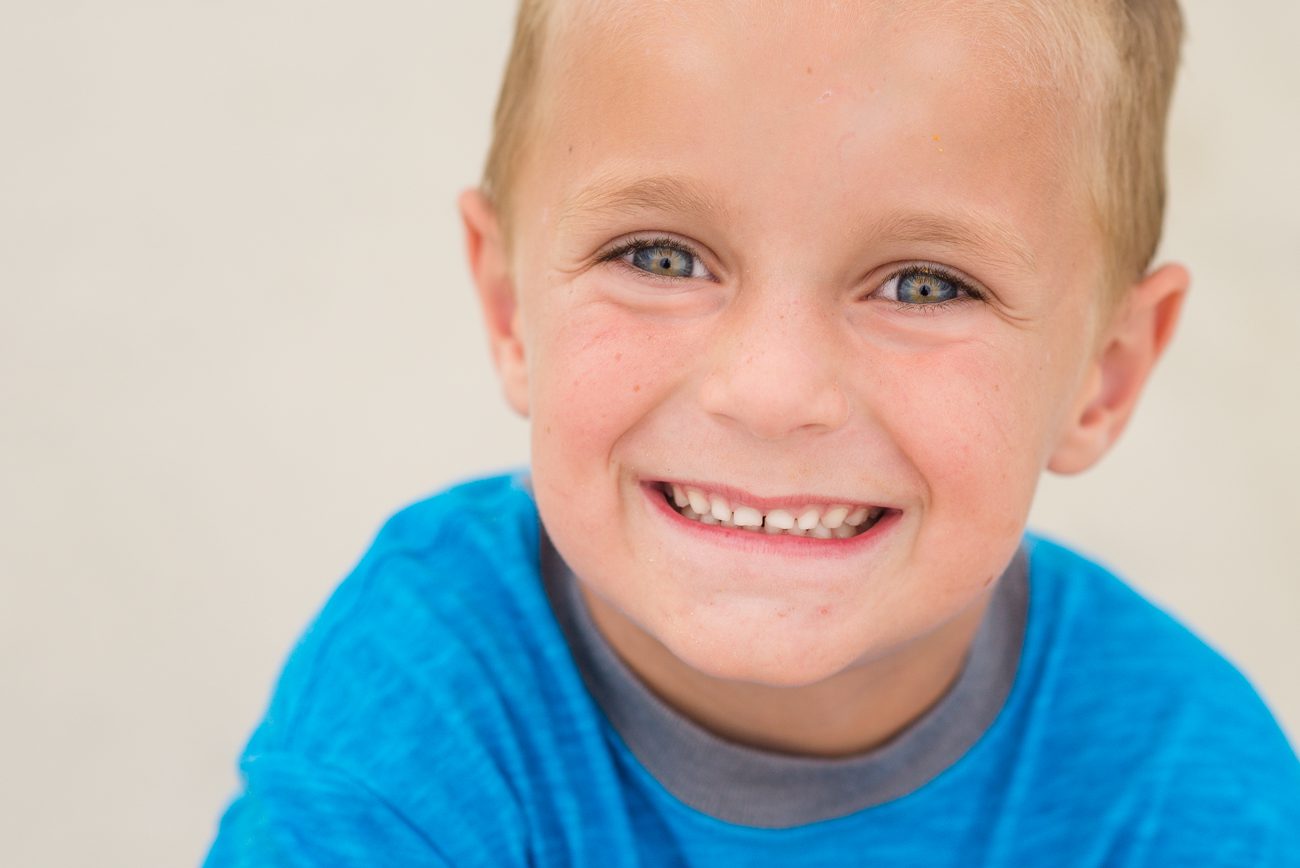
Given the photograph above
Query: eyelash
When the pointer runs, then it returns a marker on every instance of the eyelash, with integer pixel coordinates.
(971, 293)
(616, 255)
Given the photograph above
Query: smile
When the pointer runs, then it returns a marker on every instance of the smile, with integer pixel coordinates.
(807, 519)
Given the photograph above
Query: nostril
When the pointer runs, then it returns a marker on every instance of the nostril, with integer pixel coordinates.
(771, 407)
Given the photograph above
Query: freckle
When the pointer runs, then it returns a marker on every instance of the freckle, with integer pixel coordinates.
(824, 610)
(618, 357)
(780, 614)
(548, 429)
(570, 149)
(636, 388)
(809, 70)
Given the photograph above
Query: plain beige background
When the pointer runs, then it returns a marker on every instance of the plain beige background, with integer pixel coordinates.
(237, 332)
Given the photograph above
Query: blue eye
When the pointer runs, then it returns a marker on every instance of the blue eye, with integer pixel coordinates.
(925, 287)
(661, 257)
(668, 261)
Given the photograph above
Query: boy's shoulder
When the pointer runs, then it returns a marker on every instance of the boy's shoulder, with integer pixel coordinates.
(1105, 633)
(1122, 687)
(1111, 627)
(448, 581)
(428, 686)
(411, 682)
(446, 557)
(468, 514)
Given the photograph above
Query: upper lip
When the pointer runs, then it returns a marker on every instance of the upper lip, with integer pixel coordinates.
(765, 504)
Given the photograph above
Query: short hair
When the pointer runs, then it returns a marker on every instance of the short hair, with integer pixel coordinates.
(1117, 58)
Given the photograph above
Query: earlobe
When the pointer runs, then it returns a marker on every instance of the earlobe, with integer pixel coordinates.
(1135, 340)
(497, 295)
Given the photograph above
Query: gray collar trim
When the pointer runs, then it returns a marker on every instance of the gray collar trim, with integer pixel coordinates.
(766, 789)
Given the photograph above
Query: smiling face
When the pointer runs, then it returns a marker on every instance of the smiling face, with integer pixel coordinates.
(801, 260)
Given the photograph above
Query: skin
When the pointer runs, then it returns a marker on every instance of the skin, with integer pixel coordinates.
(784, 370)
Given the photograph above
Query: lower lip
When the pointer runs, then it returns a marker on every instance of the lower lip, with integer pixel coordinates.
(762, 543)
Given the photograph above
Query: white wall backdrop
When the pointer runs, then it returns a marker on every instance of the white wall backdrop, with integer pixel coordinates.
(237, 332)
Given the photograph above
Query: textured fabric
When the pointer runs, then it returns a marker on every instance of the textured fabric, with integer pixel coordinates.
(432, 714)
(770, 790)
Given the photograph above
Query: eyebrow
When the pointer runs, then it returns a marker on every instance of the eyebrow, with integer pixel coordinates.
(983, 235)
(610, 195)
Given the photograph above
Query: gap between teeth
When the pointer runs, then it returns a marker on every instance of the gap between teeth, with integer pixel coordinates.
(822, 522)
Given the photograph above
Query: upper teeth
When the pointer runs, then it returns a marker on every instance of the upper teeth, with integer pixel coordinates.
(818, 520)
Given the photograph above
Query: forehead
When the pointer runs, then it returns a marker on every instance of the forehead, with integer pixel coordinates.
(834, 117)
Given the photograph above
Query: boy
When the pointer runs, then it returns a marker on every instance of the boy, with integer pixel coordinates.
(800, 300)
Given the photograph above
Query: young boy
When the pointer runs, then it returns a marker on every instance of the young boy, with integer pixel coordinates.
(800, 299)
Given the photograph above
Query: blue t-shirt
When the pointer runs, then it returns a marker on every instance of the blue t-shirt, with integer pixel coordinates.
(433, 714)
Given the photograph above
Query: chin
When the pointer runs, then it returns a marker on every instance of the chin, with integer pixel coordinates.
(799, 659)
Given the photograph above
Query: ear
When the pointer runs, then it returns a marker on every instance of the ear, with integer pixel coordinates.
(496, 294)
(1134, 340)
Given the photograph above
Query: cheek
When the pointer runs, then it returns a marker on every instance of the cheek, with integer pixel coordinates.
(596, 372)
(974, 430)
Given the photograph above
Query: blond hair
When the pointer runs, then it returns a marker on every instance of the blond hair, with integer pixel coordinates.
(1118, 58)
(516, 108)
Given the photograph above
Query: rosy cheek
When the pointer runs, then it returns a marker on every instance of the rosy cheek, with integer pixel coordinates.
(598, 370)
(968, 426)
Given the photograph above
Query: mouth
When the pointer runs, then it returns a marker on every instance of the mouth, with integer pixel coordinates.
(808, 518)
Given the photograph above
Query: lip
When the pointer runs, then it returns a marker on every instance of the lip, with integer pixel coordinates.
(765, 504)
(758, 543)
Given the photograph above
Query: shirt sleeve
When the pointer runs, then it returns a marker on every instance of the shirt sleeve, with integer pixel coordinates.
(1226, 797)
(1231, 840)
(294, 813)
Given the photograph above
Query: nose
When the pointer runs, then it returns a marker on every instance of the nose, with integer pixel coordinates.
(773, 369)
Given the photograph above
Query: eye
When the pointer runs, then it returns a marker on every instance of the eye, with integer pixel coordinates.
(664, 260)
(922, 287)
(929, 286)
(662, 257)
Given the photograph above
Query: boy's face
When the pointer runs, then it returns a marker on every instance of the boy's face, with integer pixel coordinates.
(802, 156)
